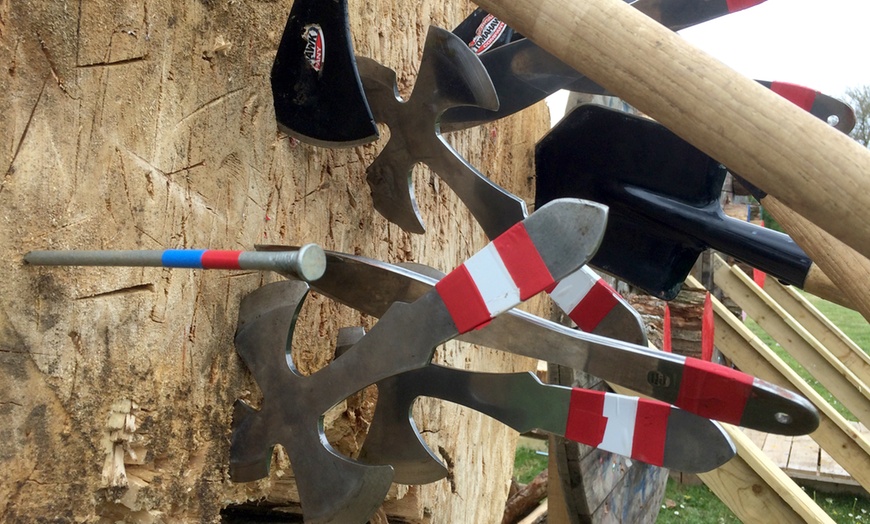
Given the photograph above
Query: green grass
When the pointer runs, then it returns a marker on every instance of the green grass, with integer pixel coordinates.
(693, 504)
(849, 321)
(698, 505)
(527, 464)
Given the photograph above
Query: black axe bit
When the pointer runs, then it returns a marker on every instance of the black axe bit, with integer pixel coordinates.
(450, 75)
(534, 254)
(316, 88)
(663, 195)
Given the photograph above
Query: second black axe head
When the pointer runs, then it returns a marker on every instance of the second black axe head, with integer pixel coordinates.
(663, 195)
(317, 92)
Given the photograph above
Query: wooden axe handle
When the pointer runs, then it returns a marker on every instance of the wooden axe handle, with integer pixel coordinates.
(788, 153)
(848, 269)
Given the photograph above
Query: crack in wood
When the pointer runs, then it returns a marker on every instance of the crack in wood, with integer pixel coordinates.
(140, 288)
(114, 63)
(11, 169)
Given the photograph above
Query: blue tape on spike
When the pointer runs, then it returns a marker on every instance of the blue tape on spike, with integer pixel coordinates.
(184, 258)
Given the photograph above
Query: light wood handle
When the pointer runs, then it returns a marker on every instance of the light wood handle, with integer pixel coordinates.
(847, 269)
(780, 148)
(818, 284)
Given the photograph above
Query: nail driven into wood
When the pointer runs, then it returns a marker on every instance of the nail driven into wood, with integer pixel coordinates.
(305, 263)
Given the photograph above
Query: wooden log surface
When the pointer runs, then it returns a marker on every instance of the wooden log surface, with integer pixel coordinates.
(148, 125)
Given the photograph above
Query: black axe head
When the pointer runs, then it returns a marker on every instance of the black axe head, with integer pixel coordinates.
(317, 92)
(594, 153)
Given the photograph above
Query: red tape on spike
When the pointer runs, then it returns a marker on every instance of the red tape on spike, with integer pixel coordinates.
(714, 391)
(597, 303)
(650, 432)
(739, 5)
(522, 260)
(586, 424)
(464, 302)
(219, 259)
(801, 96)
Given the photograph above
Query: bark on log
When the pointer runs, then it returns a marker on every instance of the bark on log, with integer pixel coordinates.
(149, 124)
(526, 499)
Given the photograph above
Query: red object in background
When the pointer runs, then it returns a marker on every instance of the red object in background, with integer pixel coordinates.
(707, 330)
(666, 330)
(759, 276)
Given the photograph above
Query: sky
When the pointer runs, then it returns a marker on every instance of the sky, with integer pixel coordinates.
(822, 44)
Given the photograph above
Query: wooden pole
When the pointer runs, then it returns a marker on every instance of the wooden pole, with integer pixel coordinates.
(821, 328)
(847, 268)
(814, 169)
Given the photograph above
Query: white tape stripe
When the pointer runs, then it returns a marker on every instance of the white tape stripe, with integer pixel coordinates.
(621, 413)
(570, 290)
(496, 287)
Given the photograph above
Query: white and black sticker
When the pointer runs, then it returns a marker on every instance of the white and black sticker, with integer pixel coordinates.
(315, 46)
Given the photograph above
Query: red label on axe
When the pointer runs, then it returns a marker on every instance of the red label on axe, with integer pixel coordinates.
(314, 46)
(487, 33)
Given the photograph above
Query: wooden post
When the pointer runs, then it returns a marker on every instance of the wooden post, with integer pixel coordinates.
(149, 124)
(847, 268)
(821, 328)
(794, 338)
(835, 435)
(756, 489)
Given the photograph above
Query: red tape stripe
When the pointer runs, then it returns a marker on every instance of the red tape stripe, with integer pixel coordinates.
(714, 391)
(739, 5)
(650, 432)
(522, 260)
(586, 424)
(219, 259)
(801, 96)
(597, 303)
(463, 300)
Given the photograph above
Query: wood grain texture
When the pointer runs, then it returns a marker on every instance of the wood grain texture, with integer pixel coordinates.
(821, 328)
(750, 355)
(814, 169)
(149, 124)
(846, 268)
(794, 338)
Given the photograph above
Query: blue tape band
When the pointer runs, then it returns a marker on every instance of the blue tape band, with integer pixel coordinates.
(185, 258)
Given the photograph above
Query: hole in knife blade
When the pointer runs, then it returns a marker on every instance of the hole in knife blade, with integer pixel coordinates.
(833, 120)
(783, 418)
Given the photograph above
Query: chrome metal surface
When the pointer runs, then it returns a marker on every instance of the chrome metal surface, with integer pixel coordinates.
(450, 75)
(307, 262)
(694, 444)
(332, 488)
(371, 286)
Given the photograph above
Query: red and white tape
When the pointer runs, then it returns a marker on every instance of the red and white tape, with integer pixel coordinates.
(585, 297)
(506, 272)
(628, 426)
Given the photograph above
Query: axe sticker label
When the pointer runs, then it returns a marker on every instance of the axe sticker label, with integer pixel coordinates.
(486, 34)
(314, 46)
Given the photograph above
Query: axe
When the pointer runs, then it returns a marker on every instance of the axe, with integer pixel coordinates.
(663, 195)
(810, 167)
(316, 88)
